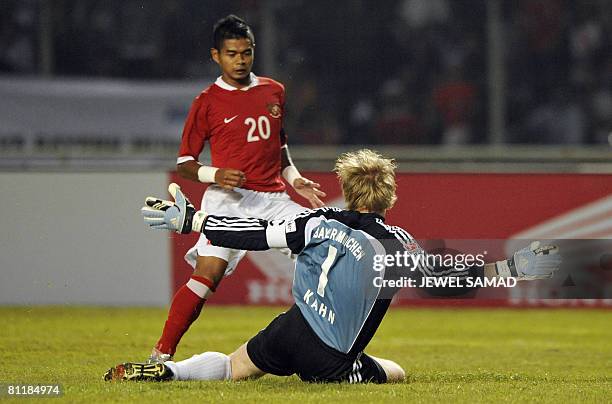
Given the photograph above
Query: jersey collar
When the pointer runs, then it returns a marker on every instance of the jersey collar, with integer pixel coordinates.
(254, 82)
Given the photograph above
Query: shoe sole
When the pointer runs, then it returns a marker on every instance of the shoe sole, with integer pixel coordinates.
(135, 371)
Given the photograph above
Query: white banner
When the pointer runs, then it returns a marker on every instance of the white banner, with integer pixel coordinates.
(78, 238)
(39, 109)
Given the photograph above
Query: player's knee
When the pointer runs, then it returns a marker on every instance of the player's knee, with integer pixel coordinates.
(211, 268)
(393, 371)
(240, 370)
(242, 366)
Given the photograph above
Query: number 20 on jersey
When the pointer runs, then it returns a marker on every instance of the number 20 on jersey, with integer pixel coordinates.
(258, 128)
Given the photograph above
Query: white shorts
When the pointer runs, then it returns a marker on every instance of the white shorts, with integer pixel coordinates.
(239, 203)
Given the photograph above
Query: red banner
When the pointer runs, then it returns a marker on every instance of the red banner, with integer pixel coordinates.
(435, 207)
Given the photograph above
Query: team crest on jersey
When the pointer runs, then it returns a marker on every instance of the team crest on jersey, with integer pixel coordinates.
(275, 110)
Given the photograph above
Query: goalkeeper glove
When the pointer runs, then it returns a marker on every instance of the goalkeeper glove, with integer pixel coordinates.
(179, 216)
(529, 263)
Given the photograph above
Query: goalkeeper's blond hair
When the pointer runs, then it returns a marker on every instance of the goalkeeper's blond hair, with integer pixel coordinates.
(367, 179)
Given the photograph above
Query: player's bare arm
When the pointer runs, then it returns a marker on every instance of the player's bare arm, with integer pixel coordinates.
(303, 186)
(225, 177)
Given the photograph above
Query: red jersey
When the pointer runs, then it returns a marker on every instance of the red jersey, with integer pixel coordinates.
(244, 129)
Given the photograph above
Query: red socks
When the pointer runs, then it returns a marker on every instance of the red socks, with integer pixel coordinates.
(184, 310)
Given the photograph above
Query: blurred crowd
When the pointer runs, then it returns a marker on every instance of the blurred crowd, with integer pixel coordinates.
(360, 71)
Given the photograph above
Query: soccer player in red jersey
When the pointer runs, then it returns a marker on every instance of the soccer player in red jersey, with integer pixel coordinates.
(241, 117)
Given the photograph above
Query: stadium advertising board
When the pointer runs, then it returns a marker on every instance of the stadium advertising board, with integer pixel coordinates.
(483, 214)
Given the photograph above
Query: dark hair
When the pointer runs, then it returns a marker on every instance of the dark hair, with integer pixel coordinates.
(231, 27)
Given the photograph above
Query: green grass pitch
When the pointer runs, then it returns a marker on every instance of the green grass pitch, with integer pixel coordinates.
(469, 355)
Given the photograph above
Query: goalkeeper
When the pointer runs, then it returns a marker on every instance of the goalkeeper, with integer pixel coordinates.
(338, 306)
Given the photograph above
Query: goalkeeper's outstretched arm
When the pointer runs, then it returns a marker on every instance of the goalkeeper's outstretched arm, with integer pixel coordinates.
(533, 262)
(232, 232)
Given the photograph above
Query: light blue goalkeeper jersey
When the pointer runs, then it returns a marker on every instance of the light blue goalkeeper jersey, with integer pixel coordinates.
(334, 281)
(334, 284)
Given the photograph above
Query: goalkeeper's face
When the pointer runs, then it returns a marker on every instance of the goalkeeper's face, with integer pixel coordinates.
(235, 58)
